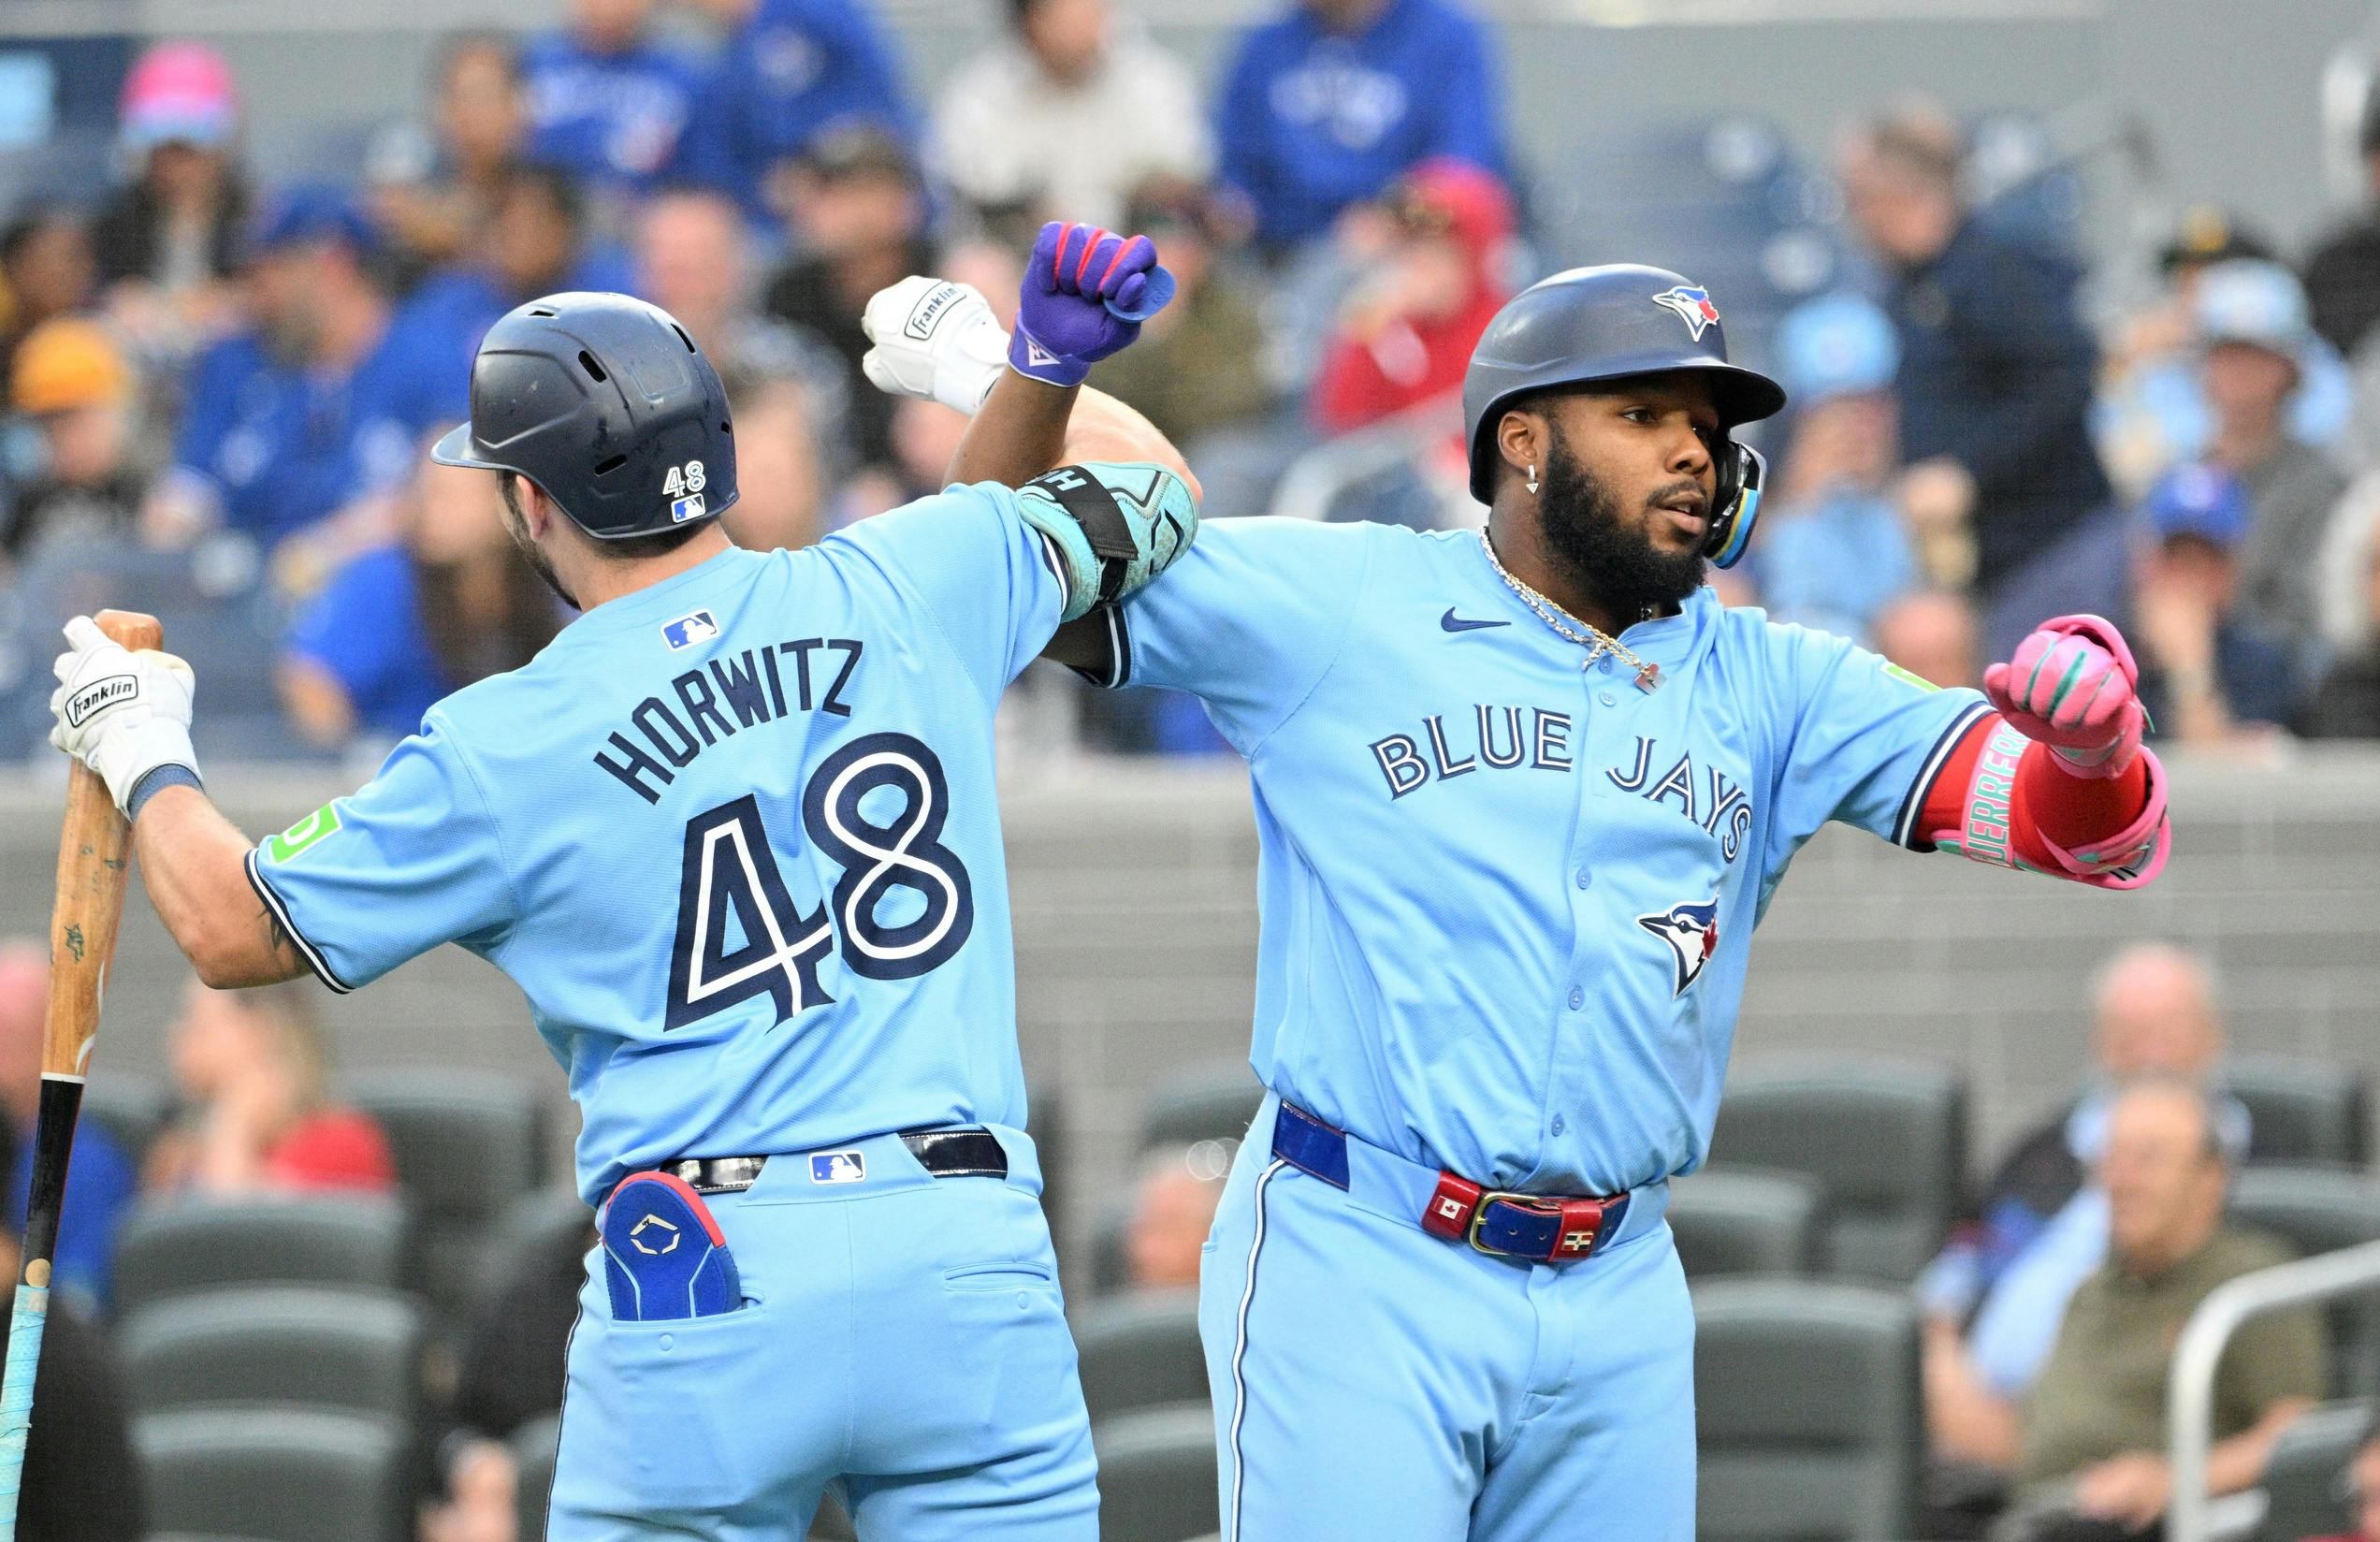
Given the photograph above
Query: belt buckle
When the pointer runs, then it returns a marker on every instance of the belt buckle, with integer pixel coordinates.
(1537, 1204)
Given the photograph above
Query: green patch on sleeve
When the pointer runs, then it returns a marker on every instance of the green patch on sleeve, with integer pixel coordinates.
(310, 831)
(1906, 678)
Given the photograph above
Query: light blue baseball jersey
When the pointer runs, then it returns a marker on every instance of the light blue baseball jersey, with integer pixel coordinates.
(735, 838)
(1508, 897)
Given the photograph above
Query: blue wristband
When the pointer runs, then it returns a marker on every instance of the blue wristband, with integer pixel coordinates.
(1034, 362)
(171, 774)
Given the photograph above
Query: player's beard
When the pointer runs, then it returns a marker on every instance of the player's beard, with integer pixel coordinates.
(1611, 559)
(517, 526)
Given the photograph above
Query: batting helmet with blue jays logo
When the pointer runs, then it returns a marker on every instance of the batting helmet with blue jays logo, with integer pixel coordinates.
(607, 405)
(1596, 324)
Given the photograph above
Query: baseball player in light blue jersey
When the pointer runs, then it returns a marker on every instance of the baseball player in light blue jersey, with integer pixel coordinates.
(1523, 795)
(734, 834)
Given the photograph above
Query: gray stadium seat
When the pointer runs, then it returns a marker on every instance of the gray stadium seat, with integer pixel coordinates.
(1156, 1475)
(1811, 1423)
(129, 1106)
(188, 1245)
(1110, 1267)
(1739, 1220)
(310, 1345)
(534, 1445)
(2301, 1110)
(1887, 1140)
(1213, 1102)
(276, 1475)
(2302, 1478)
(2315, 1210)
(1141, 1350)
(467, 1146)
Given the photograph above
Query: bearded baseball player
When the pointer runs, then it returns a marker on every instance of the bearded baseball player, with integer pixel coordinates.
(734, 834)
(1523, 795)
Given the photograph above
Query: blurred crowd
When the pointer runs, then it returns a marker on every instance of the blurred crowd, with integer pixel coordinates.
(231, 383)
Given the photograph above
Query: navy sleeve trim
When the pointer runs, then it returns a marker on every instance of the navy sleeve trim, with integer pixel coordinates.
(1905, 828)
(1057, 569)
(307, 951)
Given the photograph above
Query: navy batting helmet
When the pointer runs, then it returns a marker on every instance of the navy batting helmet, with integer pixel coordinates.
(1591, 324)
(606, 404)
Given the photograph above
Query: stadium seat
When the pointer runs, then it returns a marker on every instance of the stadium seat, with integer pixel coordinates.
(185, 1247)
(1811, 1422)
(2302, 1111)
(1110, 1267)
(1886, 1140)
(467, 1146)
(1737, 1220)
(276, 1475)
(129, 1106)
(309, 1345)
(1141, 1350)
(534, 1446)
(2320, 1210)
(1156, 1475)
(2302, 1478)
(1213, 1102)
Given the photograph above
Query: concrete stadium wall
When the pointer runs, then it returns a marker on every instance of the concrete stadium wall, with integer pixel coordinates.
(1135, 941)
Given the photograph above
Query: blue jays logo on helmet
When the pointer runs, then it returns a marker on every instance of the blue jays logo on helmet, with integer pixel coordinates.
(1691, 932)
(1693, 306)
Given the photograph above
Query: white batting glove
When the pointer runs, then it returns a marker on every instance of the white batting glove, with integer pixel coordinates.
(123, 714)
(935, 341)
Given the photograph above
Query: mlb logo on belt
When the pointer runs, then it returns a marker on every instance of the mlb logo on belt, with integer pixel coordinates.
(838, 1167)
(689, 630)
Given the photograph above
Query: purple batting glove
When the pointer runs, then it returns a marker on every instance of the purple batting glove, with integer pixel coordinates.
(1086, 291)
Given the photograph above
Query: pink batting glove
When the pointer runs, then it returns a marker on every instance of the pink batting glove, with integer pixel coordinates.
(2073, 686)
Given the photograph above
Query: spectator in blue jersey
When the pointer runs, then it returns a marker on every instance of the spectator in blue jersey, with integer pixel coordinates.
(102, 1181)
(536, 242)
(296, 427)
(2210, 673)
(1327, 106)
(1832, 551)
(611, 104)
(448, 603)
(793, 71)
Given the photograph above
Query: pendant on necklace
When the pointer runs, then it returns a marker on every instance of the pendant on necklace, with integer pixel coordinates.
(1648, 678)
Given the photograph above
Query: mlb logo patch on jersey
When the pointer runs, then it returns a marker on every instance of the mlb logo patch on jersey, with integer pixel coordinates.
(695, 627)
(838, 1167)
(1693, 306)
(1691, 932)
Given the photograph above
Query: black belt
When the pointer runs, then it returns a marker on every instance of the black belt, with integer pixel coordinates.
(967, 1151)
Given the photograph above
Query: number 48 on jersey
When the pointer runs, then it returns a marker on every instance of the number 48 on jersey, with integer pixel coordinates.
(740, 934)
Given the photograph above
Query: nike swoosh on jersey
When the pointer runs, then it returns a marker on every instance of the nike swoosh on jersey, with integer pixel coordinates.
(1452, 623)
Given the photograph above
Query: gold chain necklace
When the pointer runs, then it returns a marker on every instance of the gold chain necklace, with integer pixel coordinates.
(1594, 639)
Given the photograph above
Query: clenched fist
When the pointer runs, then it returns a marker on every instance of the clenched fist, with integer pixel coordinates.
(2073, 686)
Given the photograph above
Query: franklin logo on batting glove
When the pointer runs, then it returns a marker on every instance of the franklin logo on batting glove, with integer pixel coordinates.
(100, 695)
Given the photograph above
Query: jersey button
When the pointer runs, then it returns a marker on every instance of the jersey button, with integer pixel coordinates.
(1577, 998)
(1558, 1124)
(1608, 698)
(1584, 878)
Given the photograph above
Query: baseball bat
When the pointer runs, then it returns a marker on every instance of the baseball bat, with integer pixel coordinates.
(93, 859)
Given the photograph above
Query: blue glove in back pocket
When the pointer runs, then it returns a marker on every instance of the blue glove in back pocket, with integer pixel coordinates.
(665, 1256)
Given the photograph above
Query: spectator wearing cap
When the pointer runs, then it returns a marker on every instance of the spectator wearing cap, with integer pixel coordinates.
(2256, 354)
(793, 72)
(1834, 553)
(860, 212)
(1325, 107)
(71, 385)
(610, 104)
(447, 603)
(2003, 489)
(166, 243)
(44, 270)
(1198, 368)
(313, 412)
(1405, 331)
(434, 185)
(2208, 672)
(2345, 703)
(1066, 114)
(2342, 272)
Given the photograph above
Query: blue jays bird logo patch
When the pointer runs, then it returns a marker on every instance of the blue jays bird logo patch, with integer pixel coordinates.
(1693, 307)
(1691, 932)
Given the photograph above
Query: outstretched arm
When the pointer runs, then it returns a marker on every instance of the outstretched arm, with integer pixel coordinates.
(1026, 428)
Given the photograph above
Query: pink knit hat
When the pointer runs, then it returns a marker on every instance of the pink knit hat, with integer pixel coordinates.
(179, 91)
